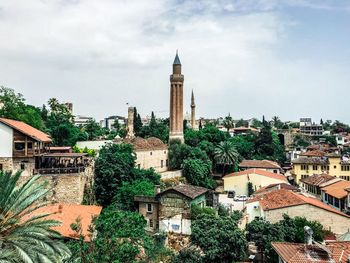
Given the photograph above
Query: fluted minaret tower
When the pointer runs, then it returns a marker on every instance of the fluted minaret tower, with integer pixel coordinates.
(193, 112)
(176, 102)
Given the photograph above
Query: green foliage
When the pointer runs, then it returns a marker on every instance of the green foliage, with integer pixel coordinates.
(226, 154)
(264, 142)
(300, 141)
(32, 240)
(331, 140)
(222, 210)
(124, 198)
(90, 152)
(137, 123)
(219, 238)
(242, 123)
(113, 166)
(250, 188)
(158, 129)
(197, 211)
(277, 123)
(188, 255)
(209, 133)
(177, 154)
(197, 172)
(256, 123)
(338, 127)
(228, 122)
(14, 107)
(93, 130)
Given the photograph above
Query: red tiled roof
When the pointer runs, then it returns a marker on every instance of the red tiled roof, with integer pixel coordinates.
(281, 185)
(27, 130)
(338, 189)
(267, 164)
(317, 179)
(258, 171)
(67, 215)
(284, 198)
(316, 153)
(302, 253)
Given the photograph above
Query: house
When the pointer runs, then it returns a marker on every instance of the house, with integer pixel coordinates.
(331, 164)
(24, 148)
(307, 253)
(238, 182)
(243, 131)
(150, 153)
(170, 210)
(69, 214)
(336, 195)
(307, 127)
(266, 165)
(271, 207)
(315, 182)
(273, 187)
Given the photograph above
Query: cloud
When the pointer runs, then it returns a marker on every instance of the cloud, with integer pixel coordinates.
(102, 54)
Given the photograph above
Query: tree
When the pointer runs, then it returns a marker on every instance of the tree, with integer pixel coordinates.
(277, 123)
(250, 188)
(178, 152)
(24, 238)
(124, 198)
(226, 154)
(137, 123)
(245, 145)
(188, 255)
(93, 129)
(264, 142)
(228, 122)
(113, 166)
(219, 238)
(197, 172)
(242, 123)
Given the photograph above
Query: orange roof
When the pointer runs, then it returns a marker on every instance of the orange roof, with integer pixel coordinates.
(302, 253)
(317, 153)
(267, 164)
(259, 172)
(67, 215)
(338, 189)
(284, 198)
(27, 130)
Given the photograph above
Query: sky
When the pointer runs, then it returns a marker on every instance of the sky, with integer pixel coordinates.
(286, 58)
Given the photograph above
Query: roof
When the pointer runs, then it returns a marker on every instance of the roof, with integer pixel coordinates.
(317, 179)
(271, 186)
(141, 144)
(64, 154)
(259, 172)
(310, 160)
(315, 153)
(337, 189)
(302, 253)
(27, 130)
(344, 237)
(67, 215)
(177, 60)
(59, 148)
(190, 191)
(284, 198)
(267, 164)
(242, 128)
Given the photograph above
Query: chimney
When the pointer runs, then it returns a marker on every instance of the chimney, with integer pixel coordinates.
(157, 189)
(308, 235)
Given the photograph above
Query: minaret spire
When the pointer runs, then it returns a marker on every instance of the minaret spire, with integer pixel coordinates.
(176, 101)
(193, 112)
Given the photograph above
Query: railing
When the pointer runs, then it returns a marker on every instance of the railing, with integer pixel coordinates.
(67, 170)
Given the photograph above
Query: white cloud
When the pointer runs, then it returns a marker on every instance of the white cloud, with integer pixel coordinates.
(102, 54)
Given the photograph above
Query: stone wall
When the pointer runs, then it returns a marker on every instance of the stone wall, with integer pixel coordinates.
(170, 174)
(151, 225)
(7, 164)
(156, 159)
(331, 221)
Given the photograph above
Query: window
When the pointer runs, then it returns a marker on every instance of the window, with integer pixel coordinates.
(150, 153)
(19, 146)
(304, 167)
(151, 223)
(303, 176)
(314, 167)
(29, 145)
(139, 166)
(149, 208)
(161, 164)
(275, 171)
(166, 162)
(335, 167)
(23, 166)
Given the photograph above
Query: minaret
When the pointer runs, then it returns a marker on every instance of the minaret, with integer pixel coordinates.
(130, 122)
(176, 102)
(193, 112)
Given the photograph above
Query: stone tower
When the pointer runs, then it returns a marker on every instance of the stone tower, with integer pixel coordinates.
(193, 112)
(130, 128)
(176, 102)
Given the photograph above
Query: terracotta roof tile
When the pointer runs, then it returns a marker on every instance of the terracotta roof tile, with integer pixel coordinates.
(302, 253)
(317, 179)
(338, 189)
(267, 164)
(310, 160)
(316, 153)
(281, 185)
(151, 143)
(27, 130)
(258, 171)
(67, 214)
(190, 191)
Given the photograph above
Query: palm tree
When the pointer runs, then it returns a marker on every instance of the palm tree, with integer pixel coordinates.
(228, 123)
(23, 237)
(226, 153)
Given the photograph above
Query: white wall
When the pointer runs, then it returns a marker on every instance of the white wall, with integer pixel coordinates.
(176, 224)
(6, 140)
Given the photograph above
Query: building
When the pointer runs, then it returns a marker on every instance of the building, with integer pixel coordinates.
(274, 187)
(331, 164)
(307, 253)
(109, 122)
(307, 127)
(315, 182)
(24, 148)
(273, 205)
(170, 210)
(336, 195)
(238, 182)
(150, 153)
(68, 214)
(130, 126)
(242, 131)
(80, 120)
(176, 102)
(266, 165)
